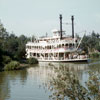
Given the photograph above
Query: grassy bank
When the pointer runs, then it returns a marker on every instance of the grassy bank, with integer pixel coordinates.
(10, 64)
(13, 65)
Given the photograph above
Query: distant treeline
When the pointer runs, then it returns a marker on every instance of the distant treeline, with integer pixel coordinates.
(91, 43)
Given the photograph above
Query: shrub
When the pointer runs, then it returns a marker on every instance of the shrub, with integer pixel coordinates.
(32, 61)
(13, 65)
(6, 59)
(95, 55)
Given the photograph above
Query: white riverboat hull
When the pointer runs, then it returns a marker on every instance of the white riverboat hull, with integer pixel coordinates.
(68, 60)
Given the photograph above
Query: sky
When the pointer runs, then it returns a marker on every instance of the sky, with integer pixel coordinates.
(38, 17)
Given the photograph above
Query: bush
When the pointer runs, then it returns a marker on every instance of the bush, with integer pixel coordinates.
(95, 55)
(6, 59)
(13, 65)
(32, 61)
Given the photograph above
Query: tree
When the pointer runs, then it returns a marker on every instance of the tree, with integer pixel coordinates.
(11, 46)
(1, 59)
(65, 85)
(91, 42)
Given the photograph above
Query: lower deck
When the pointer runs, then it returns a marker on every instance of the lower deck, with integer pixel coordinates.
(59, 57)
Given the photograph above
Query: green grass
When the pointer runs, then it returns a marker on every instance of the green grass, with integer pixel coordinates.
(13, 65)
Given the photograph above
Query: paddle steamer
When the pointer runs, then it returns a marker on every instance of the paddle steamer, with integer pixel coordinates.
(58, 48)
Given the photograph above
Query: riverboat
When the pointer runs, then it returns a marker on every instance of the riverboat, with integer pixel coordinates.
(58, 48)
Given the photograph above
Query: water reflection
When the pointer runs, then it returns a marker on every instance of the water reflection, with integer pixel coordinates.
(4, 86)
(68, 81)
(5, 81)
(45, 71)
(42, 72)
(24, 84)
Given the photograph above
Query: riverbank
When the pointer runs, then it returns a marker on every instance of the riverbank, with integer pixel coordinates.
(94, 55)
(18, 65)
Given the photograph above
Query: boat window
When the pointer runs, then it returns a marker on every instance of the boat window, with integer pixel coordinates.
(47, 47)
(60, 46)
(70, 45)
(30, 54)
(34, 54)
(50, 47)
(66, 45)
(38, 55)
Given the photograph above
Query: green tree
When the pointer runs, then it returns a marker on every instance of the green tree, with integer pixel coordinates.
(11, 46)
(65, 85)
(91, 42)
(1, 59)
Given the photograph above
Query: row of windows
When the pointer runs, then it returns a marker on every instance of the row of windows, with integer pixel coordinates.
(50, 47)
(46, 54)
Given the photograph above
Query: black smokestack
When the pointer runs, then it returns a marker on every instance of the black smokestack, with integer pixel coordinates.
(72, 18)
(60, 26)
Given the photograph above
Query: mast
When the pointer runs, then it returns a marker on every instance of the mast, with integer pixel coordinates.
(72, 18)
(60, 26)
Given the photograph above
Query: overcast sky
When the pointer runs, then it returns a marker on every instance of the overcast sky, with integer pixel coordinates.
(36, 17)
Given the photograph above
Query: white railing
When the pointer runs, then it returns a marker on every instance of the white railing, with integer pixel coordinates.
(51, 50)
(50, 42)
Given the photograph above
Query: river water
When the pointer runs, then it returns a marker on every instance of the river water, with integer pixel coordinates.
(28, 84)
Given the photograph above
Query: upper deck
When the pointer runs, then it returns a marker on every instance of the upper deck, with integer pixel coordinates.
(53, 44)
(54, 40)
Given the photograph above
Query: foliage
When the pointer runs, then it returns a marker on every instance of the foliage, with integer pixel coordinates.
(13, 65)
(32, 61)
(15, 46)
(93, 85)
(66, 86)
(1, 59)
(95, 55)
(91, 43)
(6, 59)
(11, 46)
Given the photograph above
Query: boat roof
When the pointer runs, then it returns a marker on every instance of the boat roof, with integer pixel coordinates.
(52, 38)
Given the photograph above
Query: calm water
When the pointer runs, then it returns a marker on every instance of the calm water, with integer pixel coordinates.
(28, 84)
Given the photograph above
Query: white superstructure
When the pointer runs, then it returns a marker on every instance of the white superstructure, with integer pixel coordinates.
(55, 48)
